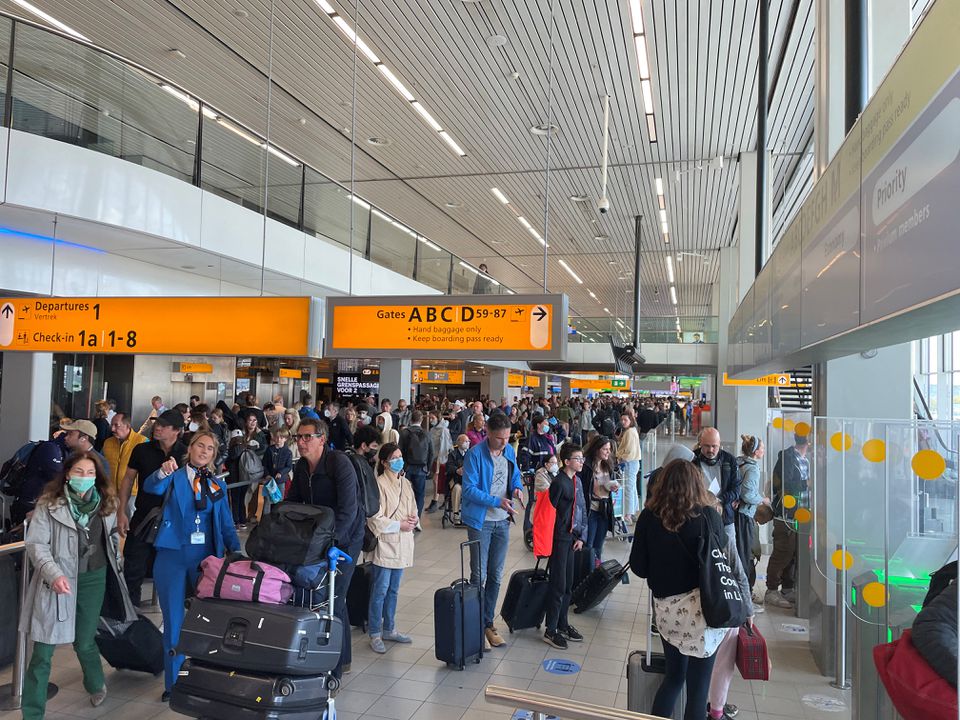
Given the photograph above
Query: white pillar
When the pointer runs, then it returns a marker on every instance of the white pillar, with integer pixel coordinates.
(396, 380)
(25, 398)
(497, 387)
(565, 387)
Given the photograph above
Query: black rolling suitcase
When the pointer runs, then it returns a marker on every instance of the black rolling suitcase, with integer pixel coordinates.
(261, 637)
(582, 565)
(217, 693)
(595, 588)
(524, 605)
(358, 596)
(458, 620)
(134, 646)
(10, 569)
(645, 671)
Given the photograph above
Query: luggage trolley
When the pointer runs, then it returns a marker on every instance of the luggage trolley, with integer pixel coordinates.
(213, 687)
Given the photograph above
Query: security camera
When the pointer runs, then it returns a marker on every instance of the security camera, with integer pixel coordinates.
(603, 205)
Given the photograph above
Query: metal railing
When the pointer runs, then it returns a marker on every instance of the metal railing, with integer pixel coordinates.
(72, 91)
(568, 709)
(11, 694)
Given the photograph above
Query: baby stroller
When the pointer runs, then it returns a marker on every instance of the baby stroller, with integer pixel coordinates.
(263, 662)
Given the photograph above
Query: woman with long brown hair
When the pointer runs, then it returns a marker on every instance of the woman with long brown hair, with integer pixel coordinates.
(666, 552)
(599, 480)
(71, 542)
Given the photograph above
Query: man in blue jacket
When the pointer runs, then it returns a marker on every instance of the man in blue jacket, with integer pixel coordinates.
(491, 481)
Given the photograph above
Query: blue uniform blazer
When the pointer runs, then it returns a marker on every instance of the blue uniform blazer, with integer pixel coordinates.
(179, 514)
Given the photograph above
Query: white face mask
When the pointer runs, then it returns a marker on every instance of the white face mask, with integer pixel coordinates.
(465, 446)
(552, 468)
(193, 427)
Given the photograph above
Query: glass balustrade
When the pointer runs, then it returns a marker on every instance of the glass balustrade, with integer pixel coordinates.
(652, 330)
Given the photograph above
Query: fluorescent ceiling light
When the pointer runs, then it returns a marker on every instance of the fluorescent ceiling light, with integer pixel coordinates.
(619, 323)
(50, 19)
(643, 66)
(663, 216)
(647, 95)
(326, 7)
(365, 49)
(673, 294)
(403, 228)
(428, 118)
(180, 95)
(663, 204)
(636, 14)
(498, 194)
(651, 128)
(659, 184)
(282, 155)
(607, 310)
(670, 269)
(360, 201)
(383, 216)
(665, 228)
(592, 295)
(429, 244)
(473, 270)
(344, 27)
(395, 81)
(238, 131)
(452, 143)
(572, 273)
(526, 223)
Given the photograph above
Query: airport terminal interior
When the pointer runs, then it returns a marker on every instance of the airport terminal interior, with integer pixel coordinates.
(616, 343)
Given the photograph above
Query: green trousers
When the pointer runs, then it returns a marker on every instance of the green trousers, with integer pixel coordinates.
(90, 590)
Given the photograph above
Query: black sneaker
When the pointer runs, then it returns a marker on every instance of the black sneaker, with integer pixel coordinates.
(432, 507)
(555, 640)
(571, 634)
(730, 710)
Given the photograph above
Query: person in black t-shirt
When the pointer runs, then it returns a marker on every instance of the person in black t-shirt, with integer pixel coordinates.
(145, 459)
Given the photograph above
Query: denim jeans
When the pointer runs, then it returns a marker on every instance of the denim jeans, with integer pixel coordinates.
(597, 529)
(631, 494)
(486, 563)
(384, 585)
(680, 670)
(417, 475)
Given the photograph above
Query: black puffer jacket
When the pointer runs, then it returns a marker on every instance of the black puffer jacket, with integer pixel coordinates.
(935, 634)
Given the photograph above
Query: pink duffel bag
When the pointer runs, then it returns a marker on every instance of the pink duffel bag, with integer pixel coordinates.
(238, 578)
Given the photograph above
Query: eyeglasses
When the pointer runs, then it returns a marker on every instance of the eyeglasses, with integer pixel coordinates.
(578, 458)
(304, 438)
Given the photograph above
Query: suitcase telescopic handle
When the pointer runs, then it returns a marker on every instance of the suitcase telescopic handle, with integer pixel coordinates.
(463, 605)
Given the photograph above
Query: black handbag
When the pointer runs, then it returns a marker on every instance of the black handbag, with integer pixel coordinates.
(293, 534)
(148, 528)
(721, 601)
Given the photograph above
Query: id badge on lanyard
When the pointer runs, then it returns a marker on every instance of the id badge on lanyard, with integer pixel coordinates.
(198, 537)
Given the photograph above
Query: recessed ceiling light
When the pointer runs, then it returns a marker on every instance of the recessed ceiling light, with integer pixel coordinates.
(453, 204)
(378, 141)
(189, 267)
(497, 40)
(177, 53)
(601, 238)
(544, 129)
(611, 262)
(580, 198)
(241, 13)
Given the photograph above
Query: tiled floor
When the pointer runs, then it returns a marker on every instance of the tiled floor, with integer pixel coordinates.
(408, 682)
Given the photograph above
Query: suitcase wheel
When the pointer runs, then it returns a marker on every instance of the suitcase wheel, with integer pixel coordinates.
(443, 522)
(528, 539)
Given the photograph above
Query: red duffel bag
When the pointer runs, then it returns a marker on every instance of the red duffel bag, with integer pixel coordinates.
(753, 660)
(916, 690)
(238, 578)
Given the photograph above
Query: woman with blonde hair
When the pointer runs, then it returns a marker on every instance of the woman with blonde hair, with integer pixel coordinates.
(71, 543)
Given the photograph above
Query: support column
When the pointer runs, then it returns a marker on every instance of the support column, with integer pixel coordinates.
(25, 399)
(564, 387)
(498, 385)
(395, 380)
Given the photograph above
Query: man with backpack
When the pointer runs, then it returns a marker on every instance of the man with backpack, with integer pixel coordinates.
(417, 450)
(28, 471)
(363, 455)
(327, 478)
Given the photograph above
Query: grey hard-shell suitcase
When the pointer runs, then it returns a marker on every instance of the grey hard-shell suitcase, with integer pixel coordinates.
(645, 671)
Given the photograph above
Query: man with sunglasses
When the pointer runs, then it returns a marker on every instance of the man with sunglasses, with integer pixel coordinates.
(325, 477)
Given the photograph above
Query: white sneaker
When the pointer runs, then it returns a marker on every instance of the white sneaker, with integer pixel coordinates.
(376, 644)
(758, 608)
(774, 598)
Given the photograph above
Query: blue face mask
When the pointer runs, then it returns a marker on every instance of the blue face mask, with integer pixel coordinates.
(81, 485)
(396, 464)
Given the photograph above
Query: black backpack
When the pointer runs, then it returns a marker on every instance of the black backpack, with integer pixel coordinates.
(369, 490)
(940, 580)
(415, 447)
(608, 426)
(14, 471)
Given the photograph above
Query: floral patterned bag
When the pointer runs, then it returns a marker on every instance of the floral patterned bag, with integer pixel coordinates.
(681, 623)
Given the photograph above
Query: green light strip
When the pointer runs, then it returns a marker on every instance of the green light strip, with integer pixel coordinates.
(902, 581)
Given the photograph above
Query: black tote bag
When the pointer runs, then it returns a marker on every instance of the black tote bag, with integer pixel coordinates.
(721, 600)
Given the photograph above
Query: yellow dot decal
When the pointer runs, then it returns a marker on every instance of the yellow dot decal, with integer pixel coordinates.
(841, 442)
(802, 429)
(874, 450)
(789, 502)
(802, 515)
(838, 557)
(874, 594)
(789, 425)
(778, 422)
(928, 464)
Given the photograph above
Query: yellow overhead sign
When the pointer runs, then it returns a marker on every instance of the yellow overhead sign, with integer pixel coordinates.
(196, 367)
(514, 380)
(160, 325)
(292, 373)
(601, 384)
(774, 380)
(439, 377)
(532, 381)
(485, 327)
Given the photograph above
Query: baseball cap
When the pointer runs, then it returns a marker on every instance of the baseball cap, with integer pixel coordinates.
(459, 403)
(170, 418)
(236, 434)
(84, 426)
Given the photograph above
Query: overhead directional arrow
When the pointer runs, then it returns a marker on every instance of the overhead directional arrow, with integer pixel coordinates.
(7, 310)
(539, 313)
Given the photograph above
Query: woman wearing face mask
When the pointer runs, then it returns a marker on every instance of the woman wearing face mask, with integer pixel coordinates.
(196, 523)
(599, 481)
(442, 443)
(71, 543)
(393, 525)
(566, 495)
(545, 474)
(539, 446)
(455, 474)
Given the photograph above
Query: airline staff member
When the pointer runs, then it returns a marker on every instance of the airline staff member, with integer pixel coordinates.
(197, 522)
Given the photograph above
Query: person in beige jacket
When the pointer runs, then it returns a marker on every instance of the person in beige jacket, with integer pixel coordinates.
(628, 455)
(393, 526)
